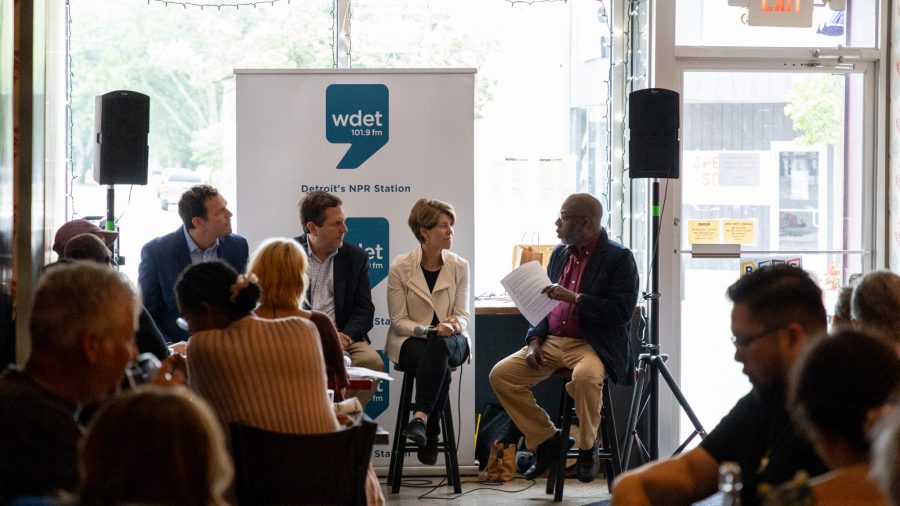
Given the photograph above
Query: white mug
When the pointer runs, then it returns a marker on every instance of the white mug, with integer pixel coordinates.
(330, 395)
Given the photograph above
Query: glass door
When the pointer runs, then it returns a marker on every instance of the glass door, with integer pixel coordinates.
(778, 163)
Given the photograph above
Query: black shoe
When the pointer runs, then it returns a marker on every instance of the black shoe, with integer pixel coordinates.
(588, 465)
(415, 431)
(546, 454)
(428, 452)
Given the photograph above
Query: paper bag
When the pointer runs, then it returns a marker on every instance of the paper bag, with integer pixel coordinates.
(534, 252)
(502, 462)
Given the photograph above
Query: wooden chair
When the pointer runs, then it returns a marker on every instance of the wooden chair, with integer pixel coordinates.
(446, 444)
(277, 468)
(609, 452)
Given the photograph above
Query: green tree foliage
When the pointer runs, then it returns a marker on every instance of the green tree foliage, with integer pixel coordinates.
(183, 59)
(816, 106)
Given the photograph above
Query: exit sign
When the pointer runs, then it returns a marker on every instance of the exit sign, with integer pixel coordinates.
(780, 13)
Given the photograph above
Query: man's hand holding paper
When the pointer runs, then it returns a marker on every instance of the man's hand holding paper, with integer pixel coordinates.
(528, 286)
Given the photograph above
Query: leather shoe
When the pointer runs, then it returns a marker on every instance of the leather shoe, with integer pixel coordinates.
(415, 431)
(546, 454)
(588, 465)
(427, 453)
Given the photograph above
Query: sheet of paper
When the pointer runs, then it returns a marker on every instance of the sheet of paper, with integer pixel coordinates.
(362, 372)
(524, 285)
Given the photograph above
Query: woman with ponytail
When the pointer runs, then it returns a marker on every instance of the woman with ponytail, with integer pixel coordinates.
(267, 373)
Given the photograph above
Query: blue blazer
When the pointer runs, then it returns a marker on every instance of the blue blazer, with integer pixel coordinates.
(354, 312)
(162, 260)
(609, 292)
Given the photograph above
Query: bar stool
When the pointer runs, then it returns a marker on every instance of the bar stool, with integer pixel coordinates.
(446, 444)
(609, 452)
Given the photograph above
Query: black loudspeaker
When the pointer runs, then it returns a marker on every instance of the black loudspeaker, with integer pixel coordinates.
(653, 118)
(121, 125)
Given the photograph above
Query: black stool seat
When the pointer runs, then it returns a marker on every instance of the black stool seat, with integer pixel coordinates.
(446, 444)
(609, 452)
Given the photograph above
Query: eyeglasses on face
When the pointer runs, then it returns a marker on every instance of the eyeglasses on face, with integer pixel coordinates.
(564, 216)
(745, 340)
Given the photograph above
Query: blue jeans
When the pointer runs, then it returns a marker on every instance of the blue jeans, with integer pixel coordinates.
(430, 360)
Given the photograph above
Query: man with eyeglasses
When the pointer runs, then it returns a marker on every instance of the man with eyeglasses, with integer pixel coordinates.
(596, 281)
(777, 313)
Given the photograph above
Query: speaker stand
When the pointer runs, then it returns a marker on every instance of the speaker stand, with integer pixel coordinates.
(110, 223)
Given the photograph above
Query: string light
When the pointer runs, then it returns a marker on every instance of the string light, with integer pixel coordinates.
(217, 6)
(532, 2)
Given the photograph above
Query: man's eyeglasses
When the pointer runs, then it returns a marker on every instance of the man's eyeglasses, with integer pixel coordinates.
(566, 216)
(746, 340)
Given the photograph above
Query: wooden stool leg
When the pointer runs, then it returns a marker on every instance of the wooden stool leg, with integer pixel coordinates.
(560, 420)
(563, 448)
(395, 470)
(610, 437)
(450, 458)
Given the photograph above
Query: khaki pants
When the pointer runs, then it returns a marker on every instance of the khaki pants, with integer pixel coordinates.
(362, 355)
(512, 380)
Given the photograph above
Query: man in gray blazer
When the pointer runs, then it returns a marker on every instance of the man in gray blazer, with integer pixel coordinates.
(205, 235)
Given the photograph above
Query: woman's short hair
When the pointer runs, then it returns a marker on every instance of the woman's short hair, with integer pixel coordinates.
(215, 283)
(425, 213)
(155, 445)
(838, 380)
(875, 301)
(282, 268)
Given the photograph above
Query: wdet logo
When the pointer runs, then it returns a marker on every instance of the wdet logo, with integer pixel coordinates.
(373, 236)
(356, 114)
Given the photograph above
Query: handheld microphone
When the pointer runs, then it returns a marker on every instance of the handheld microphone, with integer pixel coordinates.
(423, 331)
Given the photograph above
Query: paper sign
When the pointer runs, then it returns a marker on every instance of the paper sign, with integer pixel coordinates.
(704, 231)
(739, 169)
(739, 231)
(751, 264)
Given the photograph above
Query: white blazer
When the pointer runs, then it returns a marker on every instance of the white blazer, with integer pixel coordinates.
(411, 304)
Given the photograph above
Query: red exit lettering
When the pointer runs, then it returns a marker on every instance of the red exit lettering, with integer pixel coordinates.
(780, 5)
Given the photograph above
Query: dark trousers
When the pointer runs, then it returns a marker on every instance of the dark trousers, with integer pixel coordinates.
(430, 360)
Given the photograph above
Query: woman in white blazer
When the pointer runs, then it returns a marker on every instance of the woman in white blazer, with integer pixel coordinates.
(428, 299)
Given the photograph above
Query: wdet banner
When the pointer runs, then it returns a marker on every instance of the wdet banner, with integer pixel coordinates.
(379, 140)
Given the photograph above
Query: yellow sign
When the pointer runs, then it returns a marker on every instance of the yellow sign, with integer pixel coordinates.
(704, 231)
(739, 232)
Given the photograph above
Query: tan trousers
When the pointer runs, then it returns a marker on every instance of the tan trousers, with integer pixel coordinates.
(362, 355)
(512, 380)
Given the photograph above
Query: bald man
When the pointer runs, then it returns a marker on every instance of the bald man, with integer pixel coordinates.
(596, 282)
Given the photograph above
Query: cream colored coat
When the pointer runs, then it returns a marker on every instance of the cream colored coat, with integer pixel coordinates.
(411, 304)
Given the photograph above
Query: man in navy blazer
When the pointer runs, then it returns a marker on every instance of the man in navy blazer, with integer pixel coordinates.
(596, 282)
(339, 280)
(205, 235)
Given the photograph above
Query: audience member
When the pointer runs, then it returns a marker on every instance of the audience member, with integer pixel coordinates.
(281, 266)
(155, 446)
(842, 316)
(429, 288)
(777, 313)
(875, 305)
(89, 247)
(839, 389)
(339, 280)
(204, 235)
(886, 455)
(82, 336)
(234, 356)
(72, 228)
(596, 282)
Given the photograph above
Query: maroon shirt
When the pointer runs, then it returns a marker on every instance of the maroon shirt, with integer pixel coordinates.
(562, 320)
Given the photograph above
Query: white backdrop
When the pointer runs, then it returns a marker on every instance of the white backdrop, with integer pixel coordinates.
(411, 133)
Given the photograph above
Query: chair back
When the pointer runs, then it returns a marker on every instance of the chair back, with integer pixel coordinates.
(277, 468)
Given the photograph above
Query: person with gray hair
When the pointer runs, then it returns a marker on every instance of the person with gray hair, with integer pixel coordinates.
(82, 336)
(875, 305)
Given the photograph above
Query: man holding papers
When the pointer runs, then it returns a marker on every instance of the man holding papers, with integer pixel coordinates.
(595, 281)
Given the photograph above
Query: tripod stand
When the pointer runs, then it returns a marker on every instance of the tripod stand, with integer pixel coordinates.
(651, 363)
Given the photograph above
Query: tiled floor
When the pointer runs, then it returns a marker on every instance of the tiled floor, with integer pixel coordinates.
(419, 489)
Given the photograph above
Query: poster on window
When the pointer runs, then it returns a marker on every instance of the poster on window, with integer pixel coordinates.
(379, 140)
